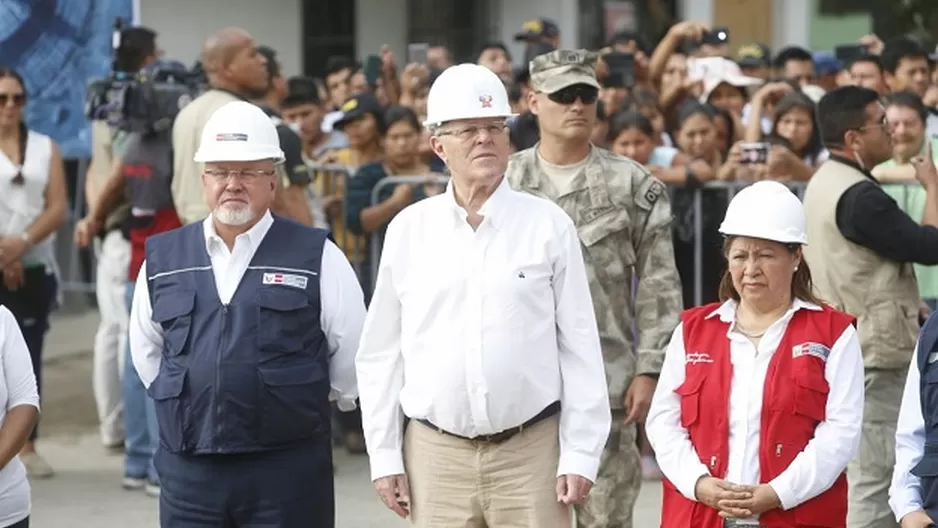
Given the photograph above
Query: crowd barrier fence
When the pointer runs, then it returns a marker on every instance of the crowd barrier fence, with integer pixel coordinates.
(364, 252)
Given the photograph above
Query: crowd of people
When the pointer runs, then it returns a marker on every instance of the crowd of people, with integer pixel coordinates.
(622, 139)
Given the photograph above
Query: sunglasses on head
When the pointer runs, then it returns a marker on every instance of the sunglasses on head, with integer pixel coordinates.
(18, 99)
(585, 93)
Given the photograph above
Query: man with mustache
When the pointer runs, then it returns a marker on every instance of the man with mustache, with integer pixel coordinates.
(243, 326)
(623, 221)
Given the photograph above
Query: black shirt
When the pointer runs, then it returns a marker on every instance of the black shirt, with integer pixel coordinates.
(292, 147)
(867, 216)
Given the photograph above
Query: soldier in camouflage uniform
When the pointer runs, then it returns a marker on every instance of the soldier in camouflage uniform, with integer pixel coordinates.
(623, 217)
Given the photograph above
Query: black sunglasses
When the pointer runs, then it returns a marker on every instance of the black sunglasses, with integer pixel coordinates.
(585, 93)
(18, 99)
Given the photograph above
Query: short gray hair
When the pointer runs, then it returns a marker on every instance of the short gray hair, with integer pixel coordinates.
(434, 128)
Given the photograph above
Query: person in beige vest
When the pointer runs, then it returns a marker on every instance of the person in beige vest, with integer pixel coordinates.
(861, 255)
(235, 71)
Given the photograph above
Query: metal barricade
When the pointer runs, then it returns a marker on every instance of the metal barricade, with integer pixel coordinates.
(731, 188)
(377, 238)
(329, 181)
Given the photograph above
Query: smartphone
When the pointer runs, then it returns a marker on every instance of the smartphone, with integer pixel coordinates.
(372, 70)
(621, 70)
(716, 36)
(847, 53)
(754, 153)
(417, 52)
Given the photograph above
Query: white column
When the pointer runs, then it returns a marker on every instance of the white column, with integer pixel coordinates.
(380, 22)
(697, 10)
(791, 23)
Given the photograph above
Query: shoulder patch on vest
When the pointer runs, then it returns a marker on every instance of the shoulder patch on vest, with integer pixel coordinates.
(810, 349)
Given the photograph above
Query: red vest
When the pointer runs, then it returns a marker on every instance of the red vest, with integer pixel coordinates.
(793, 405)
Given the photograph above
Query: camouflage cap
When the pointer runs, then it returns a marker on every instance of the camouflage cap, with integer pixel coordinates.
(554, 71)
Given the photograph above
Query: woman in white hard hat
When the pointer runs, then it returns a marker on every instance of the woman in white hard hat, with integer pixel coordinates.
(758, 408)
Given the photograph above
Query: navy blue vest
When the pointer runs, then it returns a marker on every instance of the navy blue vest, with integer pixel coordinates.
(252, 375)
(927, 468)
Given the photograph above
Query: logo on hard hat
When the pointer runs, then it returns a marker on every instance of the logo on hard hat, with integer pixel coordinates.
(486, 101)
(231, 137)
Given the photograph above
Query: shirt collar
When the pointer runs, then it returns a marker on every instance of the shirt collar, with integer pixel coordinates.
(853, 165)
(493, 209)
(727, 311)
(254, 235)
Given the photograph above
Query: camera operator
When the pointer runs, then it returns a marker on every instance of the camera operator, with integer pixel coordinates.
(235, 71)
(137, 49)
(145, 172)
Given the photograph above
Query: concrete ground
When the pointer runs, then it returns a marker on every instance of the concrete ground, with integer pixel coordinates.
(86, 489)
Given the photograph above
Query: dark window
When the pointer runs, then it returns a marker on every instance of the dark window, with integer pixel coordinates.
(460, 25)
(652, 18)
(328, 30)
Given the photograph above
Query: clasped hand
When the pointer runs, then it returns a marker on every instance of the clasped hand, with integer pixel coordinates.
(736, 501)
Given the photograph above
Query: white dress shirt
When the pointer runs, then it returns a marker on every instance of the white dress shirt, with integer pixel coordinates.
(342, 310)
(17, 387)
(815, 469)
(479, 330)
(905, 493)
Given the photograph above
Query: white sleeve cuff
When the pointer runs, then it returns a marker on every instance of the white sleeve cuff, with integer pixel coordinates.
(687, 481)
(784, 492)
(385, 463)
(905, 502)
(573, 463)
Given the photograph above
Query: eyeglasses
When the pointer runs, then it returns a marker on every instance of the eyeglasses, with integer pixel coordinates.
(471, 132)
(18, 99)
(246, 175)
(569, 95)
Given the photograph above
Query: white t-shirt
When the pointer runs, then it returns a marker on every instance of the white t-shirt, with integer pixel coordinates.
(17, 387)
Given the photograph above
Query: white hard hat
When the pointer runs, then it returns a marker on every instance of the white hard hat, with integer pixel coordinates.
(766, 210)
(239, 131)
(466, 91)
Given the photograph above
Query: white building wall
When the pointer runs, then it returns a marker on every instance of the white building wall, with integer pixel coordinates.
(696, 10)
(380, 22)
(184, 24)
(791, 24)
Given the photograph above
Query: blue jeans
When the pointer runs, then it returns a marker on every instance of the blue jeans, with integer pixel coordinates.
(142, 432)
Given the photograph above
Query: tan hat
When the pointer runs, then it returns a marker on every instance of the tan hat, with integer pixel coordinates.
(554, 71)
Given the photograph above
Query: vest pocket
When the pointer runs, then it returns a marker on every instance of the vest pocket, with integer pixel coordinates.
(173, 312)
(604, 253)
(887, 331)
(172, 413)
(811, 389)
(285, 320)
(690, 400)
(290, 402)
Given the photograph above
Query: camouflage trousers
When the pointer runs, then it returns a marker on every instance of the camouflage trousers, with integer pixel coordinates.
(612, 499)
(870, 472)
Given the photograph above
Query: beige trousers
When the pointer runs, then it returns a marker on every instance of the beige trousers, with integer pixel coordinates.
(456, 483)
(870, 472)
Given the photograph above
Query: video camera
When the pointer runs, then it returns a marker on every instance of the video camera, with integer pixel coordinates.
(146, 101)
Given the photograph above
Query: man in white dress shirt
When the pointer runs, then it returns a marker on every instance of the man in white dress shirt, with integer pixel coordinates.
(242, 327)
(482, 331)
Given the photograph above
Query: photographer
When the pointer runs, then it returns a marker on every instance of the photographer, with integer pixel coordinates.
(137, 49)
(145, 173)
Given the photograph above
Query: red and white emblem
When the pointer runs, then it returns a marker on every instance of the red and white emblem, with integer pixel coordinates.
(486, 101)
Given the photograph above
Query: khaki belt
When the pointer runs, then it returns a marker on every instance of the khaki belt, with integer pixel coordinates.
(502, 436)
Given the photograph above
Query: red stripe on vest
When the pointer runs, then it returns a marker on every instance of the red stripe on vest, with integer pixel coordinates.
(793, 404)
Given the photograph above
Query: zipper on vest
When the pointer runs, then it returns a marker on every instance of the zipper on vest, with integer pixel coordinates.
(713, 461)
(219, 415)
(778, 450)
